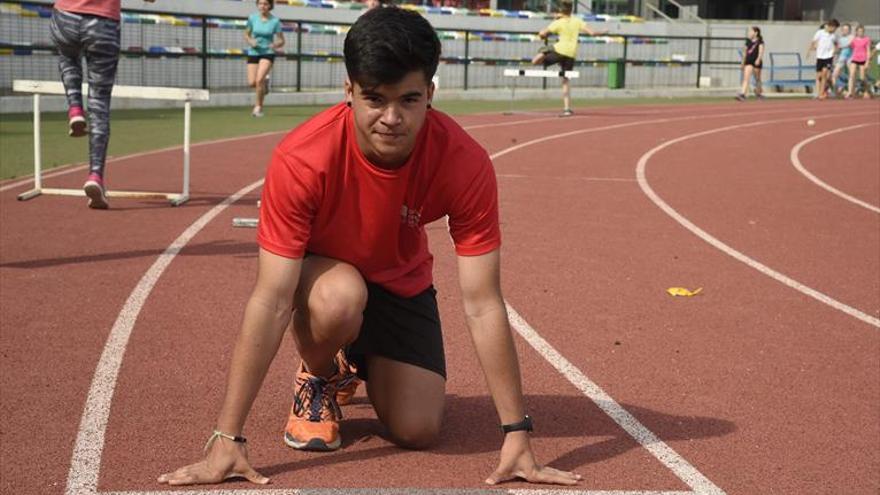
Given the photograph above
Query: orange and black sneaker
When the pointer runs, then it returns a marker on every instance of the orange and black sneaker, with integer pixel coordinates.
(348, 385)
(314, 416)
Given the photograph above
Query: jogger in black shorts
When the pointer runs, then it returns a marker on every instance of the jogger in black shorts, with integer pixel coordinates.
(564, 51)
(753, 62)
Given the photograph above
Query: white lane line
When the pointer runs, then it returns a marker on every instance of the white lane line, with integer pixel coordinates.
(589, 179)
(77, 168)
(580, 117)
(796, 161)
(642, 122)
(702, 234)
(86, 462)
(516, 122)
(399, 491)
(658, 448)
(56, 171)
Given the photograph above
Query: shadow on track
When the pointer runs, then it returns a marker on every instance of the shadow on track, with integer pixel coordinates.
(555, 416)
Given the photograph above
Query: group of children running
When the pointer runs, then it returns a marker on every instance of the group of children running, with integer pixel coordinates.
(836, 55)
(838, 52)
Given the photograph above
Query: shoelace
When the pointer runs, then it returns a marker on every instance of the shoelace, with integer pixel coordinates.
(347, 379)
(318, 394)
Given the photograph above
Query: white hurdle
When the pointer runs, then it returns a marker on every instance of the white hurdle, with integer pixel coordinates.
(570, 74)
(517, 73)
(186, 95)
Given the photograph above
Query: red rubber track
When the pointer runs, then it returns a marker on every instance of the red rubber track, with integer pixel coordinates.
(759, 387)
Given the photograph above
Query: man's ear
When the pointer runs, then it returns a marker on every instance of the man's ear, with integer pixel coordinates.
(349, 92)
(431, 89)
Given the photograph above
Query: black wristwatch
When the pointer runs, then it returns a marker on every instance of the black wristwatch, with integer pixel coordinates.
(524, 425)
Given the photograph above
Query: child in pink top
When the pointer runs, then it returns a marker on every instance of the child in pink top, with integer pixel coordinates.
(88, 29)
(859, 61)
(100, 8)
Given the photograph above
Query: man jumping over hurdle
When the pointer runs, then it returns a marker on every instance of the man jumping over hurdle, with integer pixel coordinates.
(88, 28)
(564, 51)
(344, 265)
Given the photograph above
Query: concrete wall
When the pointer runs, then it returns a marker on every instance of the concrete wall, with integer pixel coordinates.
(863, 11)
(226, 74)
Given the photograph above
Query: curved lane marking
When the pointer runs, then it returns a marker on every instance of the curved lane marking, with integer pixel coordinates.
(795, 160)
(75, 168)
(86, 459)
(715, 242)
(86, 462)
(56, 171)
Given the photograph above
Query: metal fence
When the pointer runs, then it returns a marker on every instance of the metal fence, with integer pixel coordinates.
(208, 52)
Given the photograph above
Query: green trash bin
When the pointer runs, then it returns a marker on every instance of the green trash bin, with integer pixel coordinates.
(616, 74)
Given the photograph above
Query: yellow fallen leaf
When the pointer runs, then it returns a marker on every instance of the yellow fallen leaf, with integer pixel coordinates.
(681, 291)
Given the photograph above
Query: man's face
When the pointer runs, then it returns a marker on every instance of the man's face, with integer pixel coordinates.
(388, 117)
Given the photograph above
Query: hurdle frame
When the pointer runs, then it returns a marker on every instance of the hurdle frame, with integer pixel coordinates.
(186, 95)
(517, 73)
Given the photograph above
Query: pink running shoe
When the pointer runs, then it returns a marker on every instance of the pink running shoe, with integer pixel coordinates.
(94, 189)
(76, 122)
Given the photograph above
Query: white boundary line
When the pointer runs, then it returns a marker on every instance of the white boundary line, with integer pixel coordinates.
(28, 179)
(656, 447)
(795, 160)
(664, 120)
(398, 491)
(86, 459)
(75, 168)
(702, 234)
(588, 179)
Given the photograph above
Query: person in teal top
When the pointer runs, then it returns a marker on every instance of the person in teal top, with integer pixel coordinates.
(843, 57)
(264, 37)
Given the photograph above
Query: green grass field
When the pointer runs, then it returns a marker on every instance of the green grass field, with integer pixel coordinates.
(142, 130)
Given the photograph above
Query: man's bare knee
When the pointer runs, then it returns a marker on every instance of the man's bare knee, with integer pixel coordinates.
(416, 436)
(338, 305)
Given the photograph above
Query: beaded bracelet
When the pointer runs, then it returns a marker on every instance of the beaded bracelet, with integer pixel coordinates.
(219, 434)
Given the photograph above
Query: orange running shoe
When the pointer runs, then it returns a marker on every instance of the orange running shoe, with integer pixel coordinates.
(348, 385)
(314, 416)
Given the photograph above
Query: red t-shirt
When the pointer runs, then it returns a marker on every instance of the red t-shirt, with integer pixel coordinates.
(322, 195)
(103, 8)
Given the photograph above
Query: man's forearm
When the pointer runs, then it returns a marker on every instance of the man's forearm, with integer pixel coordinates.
(493, 342)
(258, 342)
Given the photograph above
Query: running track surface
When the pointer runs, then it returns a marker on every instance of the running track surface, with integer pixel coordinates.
(754, 386)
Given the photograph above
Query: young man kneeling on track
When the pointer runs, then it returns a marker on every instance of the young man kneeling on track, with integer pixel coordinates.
(344, 265)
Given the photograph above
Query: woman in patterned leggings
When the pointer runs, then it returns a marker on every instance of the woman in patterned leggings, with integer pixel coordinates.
(89, 28)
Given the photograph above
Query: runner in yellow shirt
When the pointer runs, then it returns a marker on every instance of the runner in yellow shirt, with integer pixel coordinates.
(564, 51)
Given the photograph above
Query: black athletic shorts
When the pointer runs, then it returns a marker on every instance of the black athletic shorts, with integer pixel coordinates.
(552, 57)
(255, 59)
(405, 329)
(824, 63)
